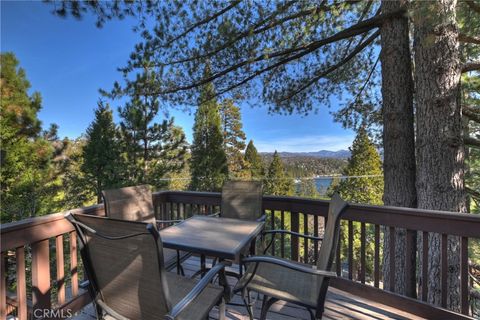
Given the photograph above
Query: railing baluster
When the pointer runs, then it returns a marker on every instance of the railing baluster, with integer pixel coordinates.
(376, 262)
(338, 263)
(315, 243)
(391, 281)
(60, 269)
(21, 284)
(424, 266)
(282, 243)
(272, 227)
(294, 225)
(41, 275)
(182, 211)
(410, 263)
(444, 268)
(350, 249)
(73, 263)
(305, 240)
(362, 252)
(3, 287)
(464, 274)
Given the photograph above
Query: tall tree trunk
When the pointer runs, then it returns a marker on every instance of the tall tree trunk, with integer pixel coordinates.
(440, 150)
(398, 135)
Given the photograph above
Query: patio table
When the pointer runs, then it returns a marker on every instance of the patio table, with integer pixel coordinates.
(222, 238)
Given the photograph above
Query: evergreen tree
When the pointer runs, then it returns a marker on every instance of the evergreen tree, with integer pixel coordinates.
(27, 173)
(364, 161)
(254, 161)
(307, 188)
(233, 139)
(78, 191)
(277, 182)
(153, 149)
(208, 165)
(101, 153)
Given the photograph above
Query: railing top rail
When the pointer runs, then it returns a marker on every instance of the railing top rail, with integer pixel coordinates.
(19, 233)
(323, 204)
(460, 224)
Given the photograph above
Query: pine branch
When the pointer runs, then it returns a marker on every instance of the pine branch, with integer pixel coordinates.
(471, 142)
(468, 39)
(473, 5)
(473, 193)
(471, 66)
(352, 31)
(336, 66)
(203, 22)
(471, 113)
(257, 29)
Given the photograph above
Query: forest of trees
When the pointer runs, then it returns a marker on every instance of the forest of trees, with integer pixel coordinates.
(42, 173)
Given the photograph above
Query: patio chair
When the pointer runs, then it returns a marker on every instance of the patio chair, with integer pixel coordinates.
(136, 204)
(242, 200)
(301, 284)
(124, 263)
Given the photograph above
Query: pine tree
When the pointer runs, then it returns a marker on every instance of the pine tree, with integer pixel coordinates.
(208, 165)
(101, 154)
(307, 188)
(153, 149)
(277, 182)
(233, 139)
(364, 161)
(254, 161)
(26, 170)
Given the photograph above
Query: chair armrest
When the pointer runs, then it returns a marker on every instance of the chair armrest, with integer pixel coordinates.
(216, 214)
(289, 265)
(168, 221)
(195, 292)
(293, 233)
(274, 232)
(262, 218)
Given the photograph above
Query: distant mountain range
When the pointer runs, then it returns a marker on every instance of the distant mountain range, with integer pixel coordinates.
(340, 154)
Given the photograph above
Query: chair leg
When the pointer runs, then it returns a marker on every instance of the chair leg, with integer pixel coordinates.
(247, 302)
(266, 304)
(222, 310)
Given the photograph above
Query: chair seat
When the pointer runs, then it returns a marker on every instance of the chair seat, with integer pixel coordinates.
(170, 258)
(200, 307)
(283, 283)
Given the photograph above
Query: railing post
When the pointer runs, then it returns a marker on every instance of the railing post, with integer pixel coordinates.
(21, 284)
(464, 274)
(294, 224)
(41, 275)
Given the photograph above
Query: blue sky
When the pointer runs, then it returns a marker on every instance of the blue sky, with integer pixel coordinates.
(67, 61)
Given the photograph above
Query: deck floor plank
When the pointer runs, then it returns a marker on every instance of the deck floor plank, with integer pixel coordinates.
(339, 305)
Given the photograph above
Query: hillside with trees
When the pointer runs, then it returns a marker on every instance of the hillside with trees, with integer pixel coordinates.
(307, 167)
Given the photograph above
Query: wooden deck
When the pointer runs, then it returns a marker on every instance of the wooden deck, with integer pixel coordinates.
(339, 305)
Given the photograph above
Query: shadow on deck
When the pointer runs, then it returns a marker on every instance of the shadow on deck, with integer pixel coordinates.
(339, 305)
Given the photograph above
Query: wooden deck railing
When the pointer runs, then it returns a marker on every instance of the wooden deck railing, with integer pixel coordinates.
(37, 251)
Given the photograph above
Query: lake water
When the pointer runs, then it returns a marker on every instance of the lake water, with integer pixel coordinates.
(322, 184)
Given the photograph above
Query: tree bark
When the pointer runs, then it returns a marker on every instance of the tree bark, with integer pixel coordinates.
(398, 135)
(440, 149)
